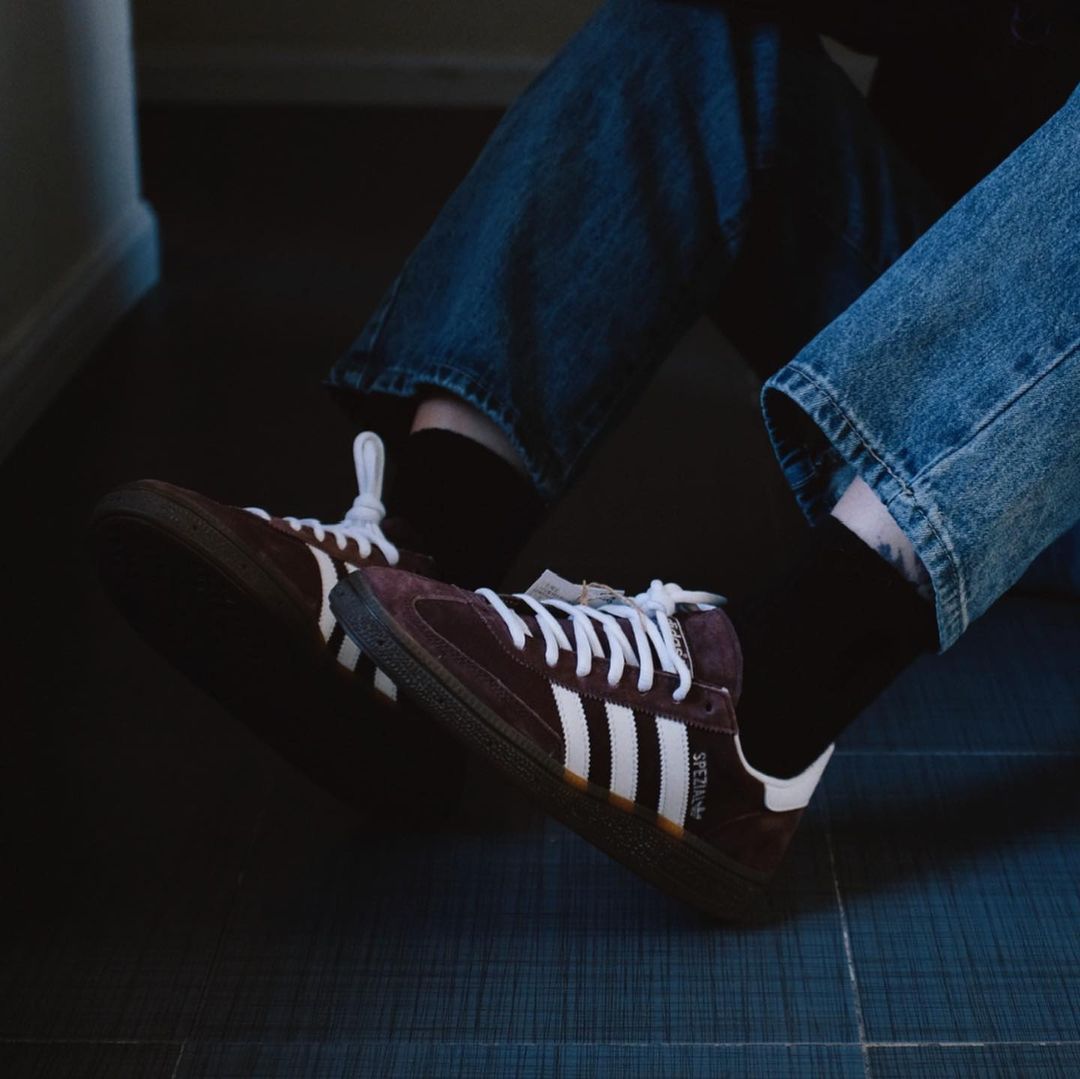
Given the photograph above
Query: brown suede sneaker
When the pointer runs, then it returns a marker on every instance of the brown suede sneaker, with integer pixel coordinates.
(238, 600)
(616, 714)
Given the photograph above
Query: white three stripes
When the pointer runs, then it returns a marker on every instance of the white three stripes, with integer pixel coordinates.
(329, 578)
(575, 730)
(672, 742)
(384, 685)
(348, 654)
(674, 770)
(622, 730)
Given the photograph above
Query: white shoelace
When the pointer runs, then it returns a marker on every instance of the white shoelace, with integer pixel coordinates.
(648, 615)
(363, 522)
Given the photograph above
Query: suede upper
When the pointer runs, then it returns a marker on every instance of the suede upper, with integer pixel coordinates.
(677, 760)
(293, 558)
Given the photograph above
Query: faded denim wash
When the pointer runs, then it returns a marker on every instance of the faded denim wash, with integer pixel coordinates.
(674, 159)
(665, 145)
(952, 386)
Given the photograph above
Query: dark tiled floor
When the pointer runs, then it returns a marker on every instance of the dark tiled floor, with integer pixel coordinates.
(1010, 685)
(959, 880)
(975, 1061)
(177, 902)
(546, 1061)
(567, 949)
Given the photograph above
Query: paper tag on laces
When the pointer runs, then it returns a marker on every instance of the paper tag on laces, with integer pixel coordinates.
(549, 585)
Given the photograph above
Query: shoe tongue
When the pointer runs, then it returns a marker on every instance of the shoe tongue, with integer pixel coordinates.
(710, 641)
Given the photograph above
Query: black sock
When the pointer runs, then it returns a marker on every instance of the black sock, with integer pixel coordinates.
(820, 644)
(472, 510)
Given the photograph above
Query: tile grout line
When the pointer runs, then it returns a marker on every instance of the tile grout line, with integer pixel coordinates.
(179, 1058)
(856, 997)
(981, 1043)
(1069, 753)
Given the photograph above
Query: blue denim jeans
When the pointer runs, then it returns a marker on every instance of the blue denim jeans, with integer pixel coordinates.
(677, 158)
(952, 386)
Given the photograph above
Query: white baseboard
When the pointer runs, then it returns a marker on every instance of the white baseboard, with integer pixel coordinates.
(47, 346)
(249, 74)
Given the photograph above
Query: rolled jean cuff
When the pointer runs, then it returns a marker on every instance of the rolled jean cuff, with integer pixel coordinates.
(356, 374)
(821, 448)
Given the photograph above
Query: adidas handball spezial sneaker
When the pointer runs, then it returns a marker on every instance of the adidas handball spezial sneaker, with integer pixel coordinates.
(238, 600)
(617, 714)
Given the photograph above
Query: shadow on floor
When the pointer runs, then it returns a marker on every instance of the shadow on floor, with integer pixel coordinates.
(178, 902)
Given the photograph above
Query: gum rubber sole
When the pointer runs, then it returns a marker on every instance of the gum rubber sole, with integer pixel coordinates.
(677, 866)
(225, 621)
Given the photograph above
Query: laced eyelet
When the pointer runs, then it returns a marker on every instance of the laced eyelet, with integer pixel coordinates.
(363, 522)
(648, 616)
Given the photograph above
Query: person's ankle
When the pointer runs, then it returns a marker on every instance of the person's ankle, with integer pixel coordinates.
(862, 512)
(820, 643)
(443, 412)
(472, 508)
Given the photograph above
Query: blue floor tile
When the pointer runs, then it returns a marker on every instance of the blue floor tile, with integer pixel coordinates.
(517, 932)
(976, 1062)
(405, 1060)
(1012, 682)
(960, 876)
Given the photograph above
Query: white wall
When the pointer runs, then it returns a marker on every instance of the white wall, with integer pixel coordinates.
(426, 51)
(77, 245)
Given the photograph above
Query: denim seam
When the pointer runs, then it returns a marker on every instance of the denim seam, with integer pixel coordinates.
(383, 313)
(587, 438)
(947, 618)
(404, 381)
(905, 488)
(989, 421)
(729, 232)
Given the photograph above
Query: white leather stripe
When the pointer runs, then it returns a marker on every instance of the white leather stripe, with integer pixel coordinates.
(384, 685)
(329, 578)
(575, 730)
(674, 770)
(624, 763)
(348, 654)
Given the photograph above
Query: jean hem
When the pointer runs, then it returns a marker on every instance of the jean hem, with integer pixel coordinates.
(805, 461)
(364, 375)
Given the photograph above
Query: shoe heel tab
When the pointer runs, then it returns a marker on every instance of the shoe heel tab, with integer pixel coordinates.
(782, 795)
